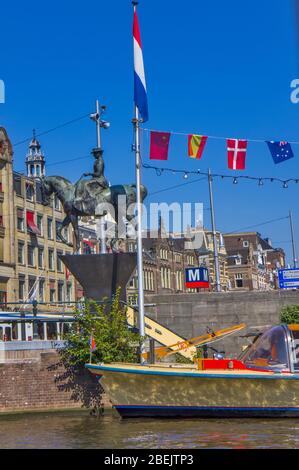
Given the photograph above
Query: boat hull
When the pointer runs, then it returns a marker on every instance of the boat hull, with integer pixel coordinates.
(191, 412)
(142, 391)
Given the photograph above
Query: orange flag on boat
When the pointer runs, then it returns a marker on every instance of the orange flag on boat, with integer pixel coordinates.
(92, 344)
(196, 145)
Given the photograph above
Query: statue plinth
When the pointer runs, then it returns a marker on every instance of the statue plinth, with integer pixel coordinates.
(101, 275)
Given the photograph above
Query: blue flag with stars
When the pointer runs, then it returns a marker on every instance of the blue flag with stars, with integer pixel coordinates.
(280, 151)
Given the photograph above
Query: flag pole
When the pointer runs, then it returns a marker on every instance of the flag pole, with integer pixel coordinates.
(293, 240)
(214, 233)
(136, 148)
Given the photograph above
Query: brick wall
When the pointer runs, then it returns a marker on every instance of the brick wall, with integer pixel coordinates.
(45, 384)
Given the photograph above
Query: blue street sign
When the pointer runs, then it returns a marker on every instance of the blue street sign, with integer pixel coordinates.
(197, 277)
(288, 278)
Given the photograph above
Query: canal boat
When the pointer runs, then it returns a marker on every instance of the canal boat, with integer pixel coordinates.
(262, 382)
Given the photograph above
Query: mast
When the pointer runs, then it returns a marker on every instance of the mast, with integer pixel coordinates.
(136, 148)
(215, 243)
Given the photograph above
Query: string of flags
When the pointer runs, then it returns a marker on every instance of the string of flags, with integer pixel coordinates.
(281, 151)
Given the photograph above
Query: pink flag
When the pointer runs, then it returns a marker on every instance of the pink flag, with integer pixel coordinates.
(159, 145)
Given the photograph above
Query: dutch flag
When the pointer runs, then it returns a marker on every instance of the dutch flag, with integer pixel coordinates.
(140, 96)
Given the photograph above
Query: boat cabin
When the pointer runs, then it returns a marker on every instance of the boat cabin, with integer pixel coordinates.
(276, 349)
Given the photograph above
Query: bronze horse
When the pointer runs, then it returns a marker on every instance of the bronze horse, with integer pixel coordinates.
(76, 205)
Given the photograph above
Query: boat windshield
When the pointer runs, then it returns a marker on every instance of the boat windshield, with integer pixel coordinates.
(270, 351)
(295, 346)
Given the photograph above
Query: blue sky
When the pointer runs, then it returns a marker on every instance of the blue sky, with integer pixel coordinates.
(216, 68)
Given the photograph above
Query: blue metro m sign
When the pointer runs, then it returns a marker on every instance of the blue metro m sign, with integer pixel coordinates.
(197, 277)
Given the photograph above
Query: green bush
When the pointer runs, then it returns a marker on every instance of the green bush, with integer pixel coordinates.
(108, 326)
(290, 314)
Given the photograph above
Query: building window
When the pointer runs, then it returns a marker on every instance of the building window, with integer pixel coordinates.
(30, 255)
(163, 253)
(245, 243)
(165, 277)
(239, 280)
(60, 292)
(131, 247)
(21, 258)
(58, 226)
(31, 287)
(21, 289)
(52, 295)
(148, 277)
(162, 276)
(17, 182)
(68, 292)
(238, 260)
(51, 259)
(40, 257)
(51, 331)
(39, 223)
(152, 284)
(29, 192)
(133, 282)
(179, 281)
(20, 220)
(41, 290)
(178, 257)
(57, 203)
(59, 262)
(190, 260)
(66, 233)
(132, 299)
(50, 228)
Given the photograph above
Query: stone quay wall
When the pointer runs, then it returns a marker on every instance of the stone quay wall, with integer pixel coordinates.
(190, 314)
(36, 380)
(42, 383)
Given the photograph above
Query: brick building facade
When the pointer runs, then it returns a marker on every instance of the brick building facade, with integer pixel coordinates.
(252, 261)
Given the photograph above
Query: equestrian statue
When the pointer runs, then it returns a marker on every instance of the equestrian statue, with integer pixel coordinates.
(86, 196)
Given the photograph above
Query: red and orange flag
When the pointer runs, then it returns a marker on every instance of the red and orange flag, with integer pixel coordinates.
(196, 145)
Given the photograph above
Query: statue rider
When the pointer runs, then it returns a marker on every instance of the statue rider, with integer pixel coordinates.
(86, 191)
(98, 169)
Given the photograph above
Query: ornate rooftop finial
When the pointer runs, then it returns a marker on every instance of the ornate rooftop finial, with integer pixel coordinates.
(35, 160)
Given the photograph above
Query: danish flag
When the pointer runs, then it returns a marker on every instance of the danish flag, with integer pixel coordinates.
(236, 153)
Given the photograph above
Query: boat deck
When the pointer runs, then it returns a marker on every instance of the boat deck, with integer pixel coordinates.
(181, 369)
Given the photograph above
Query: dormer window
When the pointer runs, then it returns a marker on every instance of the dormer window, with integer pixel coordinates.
(29, 192)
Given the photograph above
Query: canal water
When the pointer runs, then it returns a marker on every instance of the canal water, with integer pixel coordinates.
(79, 430)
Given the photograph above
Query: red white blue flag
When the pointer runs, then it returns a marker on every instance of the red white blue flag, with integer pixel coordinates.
(140, 95)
